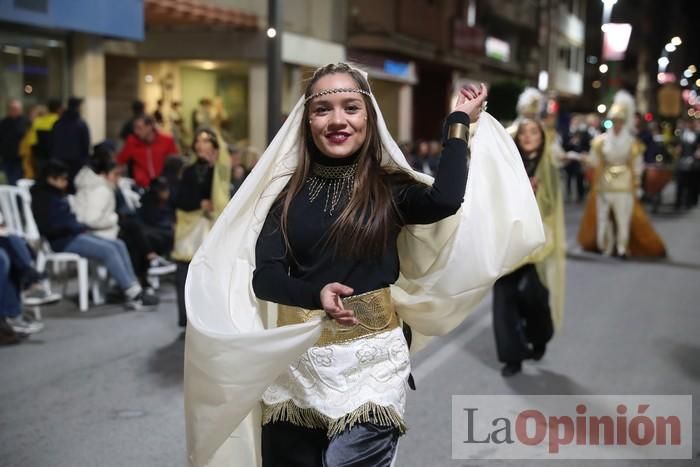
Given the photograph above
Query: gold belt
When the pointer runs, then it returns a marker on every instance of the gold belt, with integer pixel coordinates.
(374, 311)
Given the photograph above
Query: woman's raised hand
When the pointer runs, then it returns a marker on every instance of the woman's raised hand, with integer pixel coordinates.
(331, 300)
(470, 101)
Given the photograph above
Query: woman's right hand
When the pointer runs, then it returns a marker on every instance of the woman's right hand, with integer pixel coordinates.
(332, 303)
(470, 101)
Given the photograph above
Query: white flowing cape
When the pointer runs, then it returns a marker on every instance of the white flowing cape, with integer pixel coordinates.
(231, 356)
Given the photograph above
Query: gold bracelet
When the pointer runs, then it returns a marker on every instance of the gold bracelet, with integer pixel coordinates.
(458, 130)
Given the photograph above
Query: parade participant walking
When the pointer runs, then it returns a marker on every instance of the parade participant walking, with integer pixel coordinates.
(329, 211)
(614, 221)
(526, 301)
(202, 194)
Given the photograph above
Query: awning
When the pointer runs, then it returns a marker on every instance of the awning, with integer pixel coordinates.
(194, 13)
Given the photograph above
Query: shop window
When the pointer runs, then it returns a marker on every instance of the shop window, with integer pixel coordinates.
(31, 69)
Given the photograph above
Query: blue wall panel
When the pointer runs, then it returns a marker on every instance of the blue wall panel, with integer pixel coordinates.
(113, 18)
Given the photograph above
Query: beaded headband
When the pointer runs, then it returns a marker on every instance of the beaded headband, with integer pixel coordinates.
(325, 92)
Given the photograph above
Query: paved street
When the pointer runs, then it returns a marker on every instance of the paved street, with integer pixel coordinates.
(104, 388)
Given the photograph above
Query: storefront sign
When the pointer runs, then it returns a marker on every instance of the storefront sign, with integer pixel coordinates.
(466, 38)
(497, 49)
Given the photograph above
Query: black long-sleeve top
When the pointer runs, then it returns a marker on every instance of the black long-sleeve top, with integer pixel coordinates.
(195, 186)
(278, 278)
(54, 217)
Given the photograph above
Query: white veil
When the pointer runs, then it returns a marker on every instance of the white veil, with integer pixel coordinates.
(231, 356)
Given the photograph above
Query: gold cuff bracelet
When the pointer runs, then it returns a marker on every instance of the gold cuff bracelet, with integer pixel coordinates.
(458, 130)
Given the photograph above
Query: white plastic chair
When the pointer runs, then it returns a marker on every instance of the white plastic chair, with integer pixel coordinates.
(16, 206)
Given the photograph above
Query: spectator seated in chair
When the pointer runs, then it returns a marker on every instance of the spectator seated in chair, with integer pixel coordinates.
(95, 205)
(59, 226)
(20, 284)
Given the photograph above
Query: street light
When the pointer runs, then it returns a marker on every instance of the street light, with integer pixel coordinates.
(676, 41)
(663, 62)
(692, 69)
(271, 32)
(603, 68)
(602, 108)
(607, 10)
(697, 82)
(683, 82)
(670, 47)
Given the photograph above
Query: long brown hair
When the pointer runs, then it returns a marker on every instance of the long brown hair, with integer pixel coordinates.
(364, 224)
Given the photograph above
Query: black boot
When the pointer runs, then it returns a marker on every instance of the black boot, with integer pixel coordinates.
(511, 368)
(538, 352)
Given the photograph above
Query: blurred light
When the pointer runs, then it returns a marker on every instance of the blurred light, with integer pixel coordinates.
(53, 43)
(697, 82)
(691, 112)
(687, 73)
(665, 78)
(271, 32)
(148, 78)
(602, 108)
(684, 82)
(208, 65)
(663, 61)
(616, 38)
(692, 69)
(603, 68)
(659, 158)
(670, 48)
(596, 84)
(607, 124)
(10, 49)
(648, 117)
(609, 2)
(543, 80)
(676, 41)
(592, 59)
(28, 89)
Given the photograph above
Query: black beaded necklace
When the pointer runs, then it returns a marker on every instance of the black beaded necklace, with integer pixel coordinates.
(337, 181)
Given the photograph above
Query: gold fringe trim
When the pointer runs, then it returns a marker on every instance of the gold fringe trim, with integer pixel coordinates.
(369, 412)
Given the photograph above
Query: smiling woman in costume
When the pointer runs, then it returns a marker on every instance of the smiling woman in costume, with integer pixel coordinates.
(298, 296)
(332, 236)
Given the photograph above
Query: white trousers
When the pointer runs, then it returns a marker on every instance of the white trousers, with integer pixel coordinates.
(621, 205)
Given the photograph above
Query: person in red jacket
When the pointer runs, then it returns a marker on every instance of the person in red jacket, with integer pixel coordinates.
(146, 150)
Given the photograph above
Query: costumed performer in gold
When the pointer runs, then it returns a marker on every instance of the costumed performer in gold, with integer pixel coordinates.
(614, 221)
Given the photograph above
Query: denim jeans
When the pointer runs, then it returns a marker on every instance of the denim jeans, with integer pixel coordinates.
(21, 260)
(111, 253)
(10, 304)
